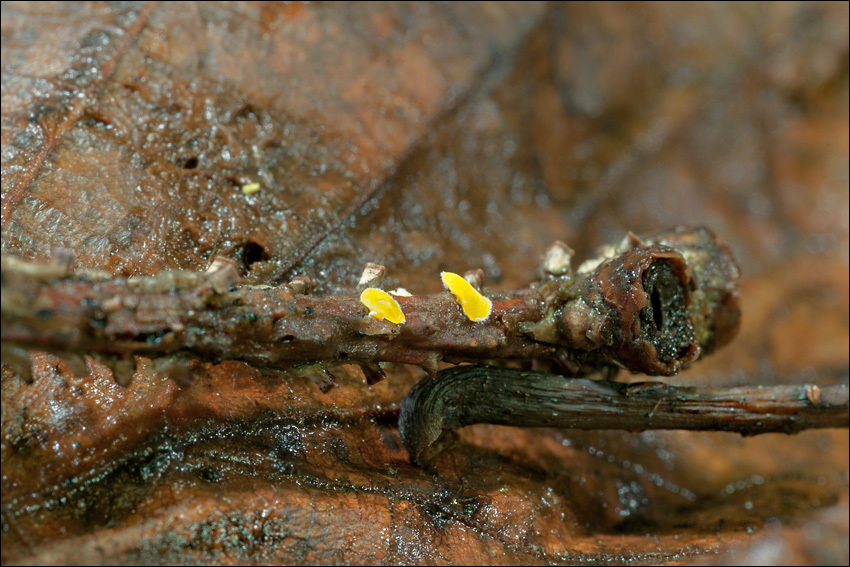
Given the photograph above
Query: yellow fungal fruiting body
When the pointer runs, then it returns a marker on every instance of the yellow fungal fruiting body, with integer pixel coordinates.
(250, 188)
(474, 305)
(382, 306)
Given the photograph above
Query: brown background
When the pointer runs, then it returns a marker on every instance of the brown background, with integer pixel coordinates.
(423, 137)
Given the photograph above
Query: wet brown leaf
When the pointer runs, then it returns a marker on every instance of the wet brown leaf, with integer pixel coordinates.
(423, 137)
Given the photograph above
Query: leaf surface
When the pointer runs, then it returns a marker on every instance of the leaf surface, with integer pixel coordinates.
(425, 137)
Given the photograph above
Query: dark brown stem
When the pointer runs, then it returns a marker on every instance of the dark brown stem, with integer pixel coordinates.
(437, 407)
(649, 307)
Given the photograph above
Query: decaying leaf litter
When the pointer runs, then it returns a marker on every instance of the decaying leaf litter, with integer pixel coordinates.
(489, 134)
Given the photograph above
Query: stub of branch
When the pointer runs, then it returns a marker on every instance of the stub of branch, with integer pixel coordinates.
(652, 305)
(437, 407)
(372, 276)
(556, 259)
(223, 274)
(300, 285)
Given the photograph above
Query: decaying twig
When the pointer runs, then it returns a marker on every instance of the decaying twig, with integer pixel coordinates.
(437, 407)
(650, 306)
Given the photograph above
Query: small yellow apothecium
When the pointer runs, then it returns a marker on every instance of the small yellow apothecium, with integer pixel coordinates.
(381, 305)
(475, 306)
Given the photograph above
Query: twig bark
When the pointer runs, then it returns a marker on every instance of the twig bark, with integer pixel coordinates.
(437, 407)
(649, 306)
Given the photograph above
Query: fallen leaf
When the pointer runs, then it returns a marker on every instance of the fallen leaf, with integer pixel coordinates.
(424, 137)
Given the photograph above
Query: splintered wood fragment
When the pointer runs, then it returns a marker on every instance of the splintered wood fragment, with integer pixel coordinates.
(557, 258)
(300, 285)
(372, 276)
(223, 273)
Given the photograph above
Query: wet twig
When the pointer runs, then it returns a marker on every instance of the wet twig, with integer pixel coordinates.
(437, 407)
(650, 306)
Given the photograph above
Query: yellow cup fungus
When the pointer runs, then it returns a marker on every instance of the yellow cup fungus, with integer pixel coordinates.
(474, 305)
(381, 305)
(250, 188)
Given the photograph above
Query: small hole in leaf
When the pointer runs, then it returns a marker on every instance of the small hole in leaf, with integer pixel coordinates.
(190, 163)
(250, 253)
